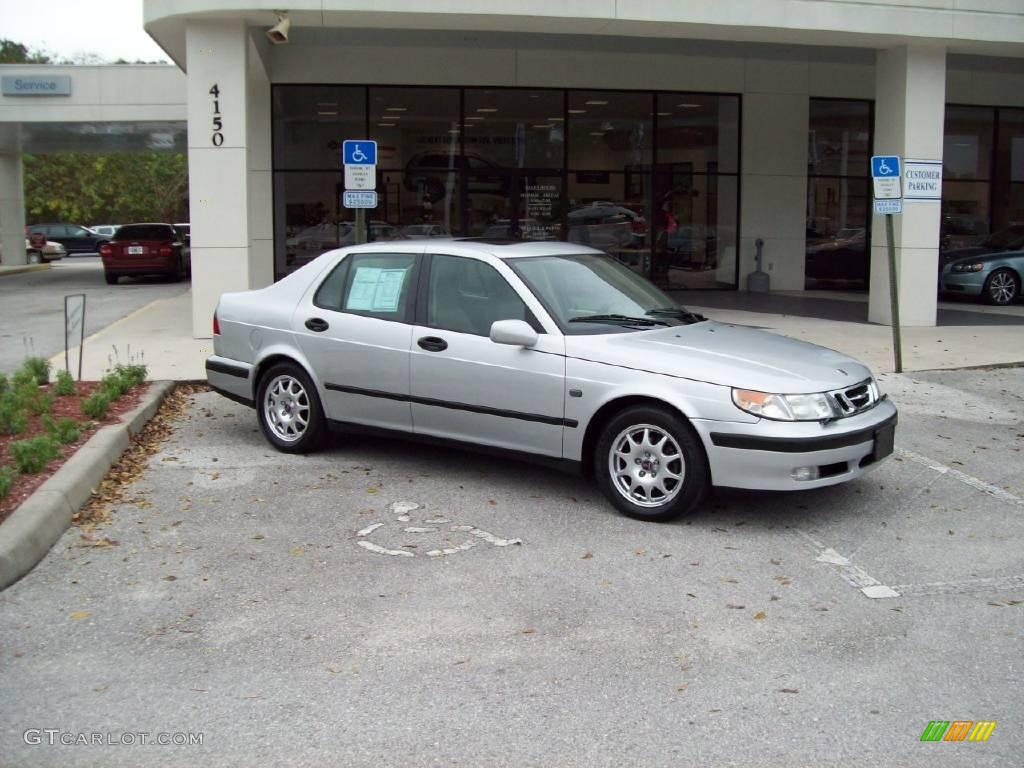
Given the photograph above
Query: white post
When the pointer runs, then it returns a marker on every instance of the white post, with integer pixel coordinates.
(217, 60)
(910, 106)
(12, 210)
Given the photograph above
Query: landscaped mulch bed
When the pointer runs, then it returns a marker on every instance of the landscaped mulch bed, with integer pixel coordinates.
(68, 405)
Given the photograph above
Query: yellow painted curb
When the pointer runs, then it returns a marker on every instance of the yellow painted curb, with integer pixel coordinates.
(17, 270)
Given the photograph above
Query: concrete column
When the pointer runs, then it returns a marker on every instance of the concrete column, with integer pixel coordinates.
(259, 164)
(12, 210)
(218, 142)
(910, 107)
(773, 192)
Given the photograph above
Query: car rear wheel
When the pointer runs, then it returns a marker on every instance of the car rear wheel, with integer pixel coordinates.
(34, 257)
(289, 409)
(1002, 287)
(111, 277)
(651, 465)
(177, 273)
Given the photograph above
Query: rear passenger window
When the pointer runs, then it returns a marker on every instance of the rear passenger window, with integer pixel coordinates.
(328, 295)
(379, 285)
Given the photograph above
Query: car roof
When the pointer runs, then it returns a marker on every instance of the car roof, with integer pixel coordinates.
(468, 246)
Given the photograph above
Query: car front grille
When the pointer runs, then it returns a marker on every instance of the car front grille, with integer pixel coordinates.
(856, 399)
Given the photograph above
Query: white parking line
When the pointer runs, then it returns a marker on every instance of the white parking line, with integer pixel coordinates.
(963, 477)
(852, 574)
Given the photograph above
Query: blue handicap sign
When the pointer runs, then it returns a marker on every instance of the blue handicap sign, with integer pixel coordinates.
(883, 166)
(359, 152)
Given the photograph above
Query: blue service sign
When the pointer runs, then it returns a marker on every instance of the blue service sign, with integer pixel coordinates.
(359, 199)
(359, 152)
(885, 166)
(34, 85)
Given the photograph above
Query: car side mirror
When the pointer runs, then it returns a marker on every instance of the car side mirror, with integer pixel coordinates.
(518, 333)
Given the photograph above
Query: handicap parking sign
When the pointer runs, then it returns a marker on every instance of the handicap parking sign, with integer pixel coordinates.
(884, 166)
(359, 152)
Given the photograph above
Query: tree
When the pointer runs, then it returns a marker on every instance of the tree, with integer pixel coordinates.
(16, 53)
(92, 188)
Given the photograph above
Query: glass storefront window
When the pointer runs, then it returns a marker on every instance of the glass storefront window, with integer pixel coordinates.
(1010, 153)
(609, 211)
(700, 129)
(420, 204)
(310, 121)
(695, 230)
(839, 140)
(308, 217)
(514, 128)
(1007, 206)
(415, 128)
(965, 213)
(609, 130)
(967, 144)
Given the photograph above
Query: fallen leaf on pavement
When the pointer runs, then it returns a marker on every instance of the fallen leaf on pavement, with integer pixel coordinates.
(760, 615)
(79, 615)
(789, 690)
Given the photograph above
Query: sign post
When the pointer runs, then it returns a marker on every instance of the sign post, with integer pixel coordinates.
(885, 176)
(360, 161)
(74, 328)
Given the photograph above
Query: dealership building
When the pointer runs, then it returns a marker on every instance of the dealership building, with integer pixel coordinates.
(674, 135)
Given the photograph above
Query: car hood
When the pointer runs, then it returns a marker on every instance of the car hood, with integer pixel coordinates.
(730, 355)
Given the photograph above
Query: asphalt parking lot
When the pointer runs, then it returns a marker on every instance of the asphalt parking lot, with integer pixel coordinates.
(32, 305)
(256, 598)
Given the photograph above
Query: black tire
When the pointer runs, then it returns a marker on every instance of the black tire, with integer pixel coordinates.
(674, 499)
(177, 273)
(35, 257)
(312, 434)
(111, 277)
(1002, 287)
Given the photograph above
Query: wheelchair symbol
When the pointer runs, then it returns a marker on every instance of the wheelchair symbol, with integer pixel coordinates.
(884, 169)
(359, 156)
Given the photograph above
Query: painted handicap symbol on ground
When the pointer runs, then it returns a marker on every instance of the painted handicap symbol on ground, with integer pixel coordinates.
(416, 528)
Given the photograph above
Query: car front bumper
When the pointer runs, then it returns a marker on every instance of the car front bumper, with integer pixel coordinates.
(231, 378)
(765, 455)
(967, 283)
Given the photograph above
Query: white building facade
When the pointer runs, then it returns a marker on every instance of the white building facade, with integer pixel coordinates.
(674, 135)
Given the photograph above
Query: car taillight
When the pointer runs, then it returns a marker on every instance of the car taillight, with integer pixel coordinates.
(216, 325)
(166, 250)
(106, 250)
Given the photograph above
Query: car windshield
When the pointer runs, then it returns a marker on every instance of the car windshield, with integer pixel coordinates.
(1011, 237)
(145, 232)
(593, 293)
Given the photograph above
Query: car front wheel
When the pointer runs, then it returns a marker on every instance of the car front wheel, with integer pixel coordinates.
(651, 465)
(289, 409)
(1002, 287)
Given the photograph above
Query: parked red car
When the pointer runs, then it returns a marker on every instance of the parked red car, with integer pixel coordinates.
(147, 249)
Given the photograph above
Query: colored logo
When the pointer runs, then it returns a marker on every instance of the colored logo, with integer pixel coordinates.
(958, 730)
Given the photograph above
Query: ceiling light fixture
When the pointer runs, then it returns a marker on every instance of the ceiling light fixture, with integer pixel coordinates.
(596, 103)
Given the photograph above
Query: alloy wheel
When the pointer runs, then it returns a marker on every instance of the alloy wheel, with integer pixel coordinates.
(286, 408)
(646, 466)
(1002, 287)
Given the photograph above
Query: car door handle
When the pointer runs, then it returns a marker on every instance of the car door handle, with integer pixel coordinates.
(316, 324)
(433, 344)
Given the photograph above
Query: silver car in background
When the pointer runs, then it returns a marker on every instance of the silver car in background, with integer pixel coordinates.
(550, 350)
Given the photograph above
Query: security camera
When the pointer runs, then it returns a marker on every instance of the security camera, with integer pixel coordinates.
(278, 34)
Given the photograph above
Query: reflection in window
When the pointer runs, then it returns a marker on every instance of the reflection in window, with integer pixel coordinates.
(513, 128)
(967, 146)
(965, 213)
(608, 211)
(609, 130)
(699, 129)
(838, 235)
(311, 120)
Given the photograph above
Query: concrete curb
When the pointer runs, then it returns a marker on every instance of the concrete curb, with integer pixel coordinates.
(19, 269)
(34, 527)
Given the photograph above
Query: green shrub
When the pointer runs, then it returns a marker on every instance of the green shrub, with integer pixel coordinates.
(6, 480)
(65, 384)
(136, 374)
(65, 430)
(95, 405)
(33, 454)
(39, 368)
(41, 403)
(13, 415)
(23, 378)
(4, 384)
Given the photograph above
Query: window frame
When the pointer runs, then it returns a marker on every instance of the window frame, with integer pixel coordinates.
(423, 296)
(347, 262)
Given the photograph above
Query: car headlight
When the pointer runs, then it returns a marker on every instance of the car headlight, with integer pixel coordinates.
(813, 407)
(975, 266)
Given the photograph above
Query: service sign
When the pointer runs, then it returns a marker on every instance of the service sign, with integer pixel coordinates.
(36, 85)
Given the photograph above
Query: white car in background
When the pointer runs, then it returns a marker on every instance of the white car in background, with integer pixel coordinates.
(107, 230)
(42, 253)
(550, 350)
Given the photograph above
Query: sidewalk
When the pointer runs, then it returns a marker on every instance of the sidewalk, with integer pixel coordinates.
(161, 332)
(17, 269)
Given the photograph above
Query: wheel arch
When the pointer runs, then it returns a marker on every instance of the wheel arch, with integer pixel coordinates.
(274, 357)
(608, 411)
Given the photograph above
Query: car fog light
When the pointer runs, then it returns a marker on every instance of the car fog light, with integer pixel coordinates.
(801, 474)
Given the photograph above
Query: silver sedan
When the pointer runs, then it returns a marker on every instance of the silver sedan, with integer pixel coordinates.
(551, 351)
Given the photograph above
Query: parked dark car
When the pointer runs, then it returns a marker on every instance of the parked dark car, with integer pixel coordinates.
(147, 249)
(1003, 241)
(74, 238)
